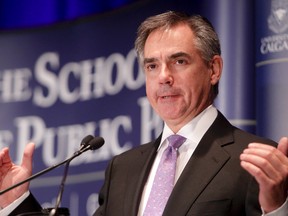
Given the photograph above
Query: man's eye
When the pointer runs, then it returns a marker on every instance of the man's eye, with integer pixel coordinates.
(150, 67)
(180, 61)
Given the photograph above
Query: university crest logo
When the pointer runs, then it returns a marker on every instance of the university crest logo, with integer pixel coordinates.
(278, 19)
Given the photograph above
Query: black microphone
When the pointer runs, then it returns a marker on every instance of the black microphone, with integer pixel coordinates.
(89, 143)
(92, 144)
(96, 143)
(86, 141)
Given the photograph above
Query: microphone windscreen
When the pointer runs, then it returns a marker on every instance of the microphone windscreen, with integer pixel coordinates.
(96, 143)
(85, 141)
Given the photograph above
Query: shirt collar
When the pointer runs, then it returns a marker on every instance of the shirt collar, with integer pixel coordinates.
(196, 128)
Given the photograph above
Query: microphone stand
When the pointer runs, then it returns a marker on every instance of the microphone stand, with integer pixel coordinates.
(47, 169)
(61, 191)
(62, 185)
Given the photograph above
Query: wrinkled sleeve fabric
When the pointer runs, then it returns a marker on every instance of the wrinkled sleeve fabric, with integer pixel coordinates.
(282, 211)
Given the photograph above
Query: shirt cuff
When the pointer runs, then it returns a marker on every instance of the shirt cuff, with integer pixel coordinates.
(281, 211)
(8, 209)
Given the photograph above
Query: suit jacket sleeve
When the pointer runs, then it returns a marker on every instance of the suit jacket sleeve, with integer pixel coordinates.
(29, 205)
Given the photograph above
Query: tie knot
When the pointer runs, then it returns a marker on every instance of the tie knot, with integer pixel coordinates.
(176, 141)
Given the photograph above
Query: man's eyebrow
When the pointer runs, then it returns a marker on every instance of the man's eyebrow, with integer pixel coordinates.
(179, 54)
(173, 56)
(149, 60)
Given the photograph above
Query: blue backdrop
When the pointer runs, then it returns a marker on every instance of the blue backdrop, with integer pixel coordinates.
(64, 75)
(271, 67)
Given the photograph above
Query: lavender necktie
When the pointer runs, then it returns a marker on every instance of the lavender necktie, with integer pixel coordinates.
(164, 178)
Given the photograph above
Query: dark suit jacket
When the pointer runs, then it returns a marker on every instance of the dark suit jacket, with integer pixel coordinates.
(212, 183)
(28, 205)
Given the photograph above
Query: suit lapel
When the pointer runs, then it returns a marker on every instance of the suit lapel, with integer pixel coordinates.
(138, 175)
(205, 163)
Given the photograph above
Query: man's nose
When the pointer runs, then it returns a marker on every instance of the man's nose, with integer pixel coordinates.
(166, 76)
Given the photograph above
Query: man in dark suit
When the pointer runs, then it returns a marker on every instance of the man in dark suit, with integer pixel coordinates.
(181, 57)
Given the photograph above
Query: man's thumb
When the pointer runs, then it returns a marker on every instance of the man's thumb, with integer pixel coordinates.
(28, 157)
(283, 145)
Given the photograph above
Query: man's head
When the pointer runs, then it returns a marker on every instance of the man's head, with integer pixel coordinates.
(182, 64)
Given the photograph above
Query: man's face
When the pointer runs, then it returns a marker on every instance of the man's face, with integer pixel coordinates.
(178, 82)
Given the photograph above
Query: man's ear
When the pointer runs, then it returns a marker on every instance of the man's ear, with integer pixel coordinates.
(216, 66)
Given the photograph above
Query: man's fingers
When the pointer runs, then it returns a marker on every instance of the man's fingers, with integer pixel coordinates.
(4, 155)
(270, 152)
(255, 171)
(268, 167)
